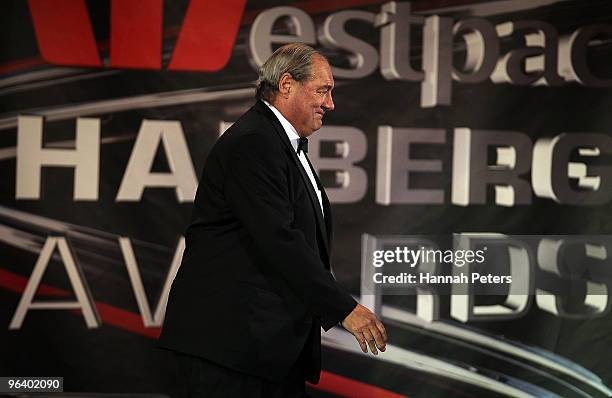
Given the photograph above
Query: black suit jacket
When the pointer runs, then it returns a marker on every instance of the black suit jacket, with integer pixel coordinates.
(254, 286)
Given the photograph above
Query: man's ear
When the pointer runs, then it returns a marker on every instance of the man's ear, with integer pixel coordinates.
(284, 84)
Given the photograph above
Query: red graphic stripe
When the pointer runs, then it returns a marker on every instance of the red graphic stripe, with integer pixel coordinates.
(349, 388)
(195, 47)
(126, 320)
(17, 283)
(109, 314)
(64, 33)
(136, 34)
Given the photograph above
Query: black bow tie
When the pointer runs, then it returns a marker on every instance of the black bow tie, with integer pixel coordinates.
(302, 145)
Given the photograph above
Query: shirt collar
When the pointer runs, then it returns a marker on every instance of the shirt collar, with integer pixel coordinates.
(287, 126)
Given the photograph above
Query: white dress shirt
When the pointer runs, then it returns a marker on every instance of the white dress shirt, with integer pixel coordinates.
(294, 138)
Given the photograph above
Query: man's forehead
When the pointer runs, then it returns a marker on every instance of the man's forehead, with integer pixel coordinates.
(321, 71)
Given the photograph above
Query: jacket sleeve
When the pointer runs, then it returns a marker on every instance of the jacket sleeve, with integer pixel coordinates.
(256, 189)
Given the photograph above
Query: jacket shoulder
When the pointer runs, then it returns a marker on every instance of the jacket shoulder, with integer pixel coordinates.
(252, 131)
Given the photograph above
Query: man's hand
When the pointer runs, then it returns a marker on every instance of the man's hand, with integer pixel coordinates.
(367, 329)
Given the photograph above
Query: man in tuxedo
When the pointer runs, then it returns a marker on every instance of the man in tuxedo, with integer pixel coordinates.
(255, 287)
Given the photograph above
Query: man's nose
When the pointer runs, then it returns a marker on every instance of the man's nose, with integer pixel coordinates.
(328, 103)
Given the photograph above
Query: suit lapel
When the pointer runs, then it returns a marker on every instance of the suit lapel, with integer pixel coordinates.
(314, 201)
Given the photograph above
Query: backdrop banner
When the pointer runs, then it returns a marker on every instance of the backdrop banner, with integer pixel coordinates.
(468, 161)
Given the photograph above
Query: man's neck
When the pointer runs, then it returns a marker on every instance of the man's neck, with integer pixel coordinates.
(292, 133)
(281, 106)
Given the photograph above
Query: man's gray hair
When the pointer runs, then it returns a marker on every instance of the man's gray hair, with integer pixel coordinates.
(294, 58)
